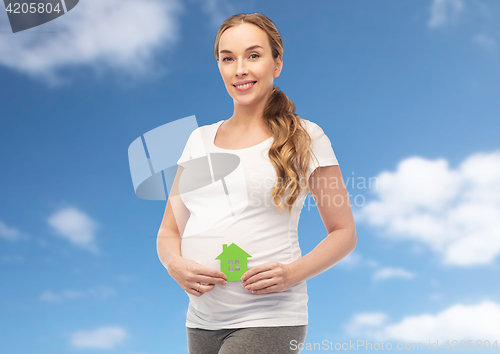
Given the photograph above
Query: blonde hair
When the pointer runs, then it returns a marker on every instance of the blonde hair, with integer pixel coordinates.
(290, 151)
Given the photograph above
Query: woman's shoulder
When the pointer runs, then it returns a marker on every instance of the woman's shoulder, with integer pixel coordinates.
(202, 130)
(312, 128)
(208, 127)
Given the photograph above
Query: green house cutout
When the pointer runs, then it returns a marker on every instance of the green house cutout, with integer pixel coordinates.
(233, 261)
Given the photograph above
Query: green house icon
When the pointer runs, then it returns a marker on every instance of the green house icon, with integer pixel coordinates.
(233, 261)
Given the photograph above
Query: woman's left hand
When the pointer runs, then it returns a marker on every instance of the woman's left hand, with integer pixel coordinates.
(268, 278)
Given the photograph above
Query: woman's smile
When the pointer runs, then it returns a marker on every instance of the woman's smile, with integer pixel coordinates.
(245, 87)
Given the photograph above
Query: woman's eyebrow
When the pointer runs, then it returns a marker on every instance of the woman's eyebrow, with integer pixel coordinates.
(246, 50)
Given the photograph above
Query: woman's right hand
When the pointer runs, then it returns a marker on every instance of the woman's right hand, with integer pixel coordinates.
(189, 274)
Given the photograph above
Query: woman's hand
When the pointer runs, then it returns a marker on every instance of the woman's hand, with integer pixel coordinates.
(268, 278)
(189, 274)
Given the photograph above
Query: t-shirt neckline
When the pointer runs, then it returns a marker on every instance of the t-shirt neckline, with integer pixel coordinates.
(212, 140)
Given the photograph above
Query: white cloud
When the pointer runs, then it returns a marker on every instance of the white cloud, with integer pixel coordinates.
(218, 11)
(126, 278)
(437, 297)
(444, 11)
(76, 227)
(372, 263)
(352, 260)
(50, 296)
(485, 41)
(102, 292)
(361, 321)
(355, 260)
(388, 272)
(459, 322)
(101, 338)
(456, 212)
(120, 34)
(9, 233)
(12, 258)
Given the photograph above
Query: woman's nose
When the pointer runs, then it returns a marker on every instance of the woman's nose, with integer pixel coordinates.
(241, 69)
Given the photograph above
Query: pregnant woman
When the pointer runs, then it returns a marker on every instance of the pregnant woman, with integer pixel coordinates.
(232, 243)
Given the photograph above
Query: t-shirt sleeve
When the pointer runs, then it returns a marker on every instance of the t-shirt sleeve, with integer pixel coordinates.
(323, 154)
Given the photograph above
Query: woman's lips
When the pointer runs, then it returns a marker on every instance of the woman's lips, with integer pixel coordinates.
(245, 88)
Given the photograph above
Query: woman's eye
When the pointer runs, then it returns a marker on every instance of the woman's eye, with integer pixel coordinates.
(224, 59)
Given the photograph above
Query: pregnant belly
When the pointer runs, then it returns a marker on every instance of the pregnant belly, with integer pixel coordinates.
(203, 250)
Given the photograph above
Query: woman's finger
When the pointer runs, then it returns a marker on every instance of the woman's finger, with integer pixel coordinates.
(202, 288)
(261, 284)
(209, 280)
(193, 292)
(270, 289)
(202, 270)
(268, 274)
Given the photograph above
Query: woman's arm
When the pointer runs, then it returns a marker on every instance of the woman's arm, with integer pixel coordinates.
(332, 200)
(187, 273)
(168, 241)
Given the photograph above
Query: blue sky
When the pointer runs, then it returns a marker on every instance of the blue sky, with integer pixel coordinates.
(407, 92)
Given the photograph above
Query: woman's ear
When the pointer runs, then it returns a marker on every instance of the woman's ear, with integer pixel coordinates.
(279, 66)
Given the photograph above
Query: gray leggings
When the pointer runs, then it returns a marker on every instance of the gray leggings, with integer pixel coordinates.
(250, 340)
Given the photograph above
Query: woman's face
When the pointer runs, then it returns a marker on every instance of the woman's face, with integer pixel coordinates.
(245, 55)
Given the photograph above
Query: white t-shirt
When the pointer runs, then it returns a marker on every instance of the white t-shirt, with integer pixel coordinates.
(229, 195)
